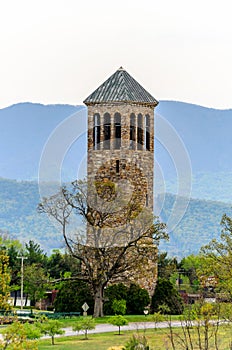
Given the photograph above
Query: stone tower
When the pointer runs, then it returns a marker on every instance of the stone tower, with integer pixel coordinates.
(121, 141)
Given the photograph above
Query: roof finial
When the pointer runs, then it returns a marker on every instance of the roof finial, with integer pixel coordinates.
(121, 68)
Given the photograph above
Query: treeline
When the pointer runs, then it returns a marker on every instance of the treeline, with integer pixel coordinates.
(200, 224)
(19, 217)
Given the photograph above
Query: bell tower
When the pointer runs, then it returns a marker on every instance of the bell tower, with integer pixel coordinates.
(121, 140)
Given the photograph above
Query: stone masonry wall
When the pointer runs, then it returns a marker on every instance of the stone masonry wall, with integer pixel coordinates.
(133, 166)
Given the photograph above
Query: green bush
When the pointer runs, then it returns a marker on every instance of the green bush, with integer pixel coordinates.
(115, 291)
(136, 298)
(166, 294)
(72, 296)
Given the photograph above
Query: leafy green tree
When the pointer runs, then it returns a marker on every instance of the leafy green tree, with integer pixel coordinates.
(166, 266)
(13, 249)
(218, 259)
(4, 281)
(34, 254)
(119, 306)
(20, 336)
(86, 324)
(119, 321)
(166, 294)
(72, 295)
(190, 266)
(14, 252)
(137, 299)
(35, 282)
(52, 328)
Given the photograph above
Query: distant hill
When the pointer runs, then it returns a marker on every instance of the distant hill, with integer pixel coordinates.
(25, 129)
(199, 225)
(206, 133)
(18, 215)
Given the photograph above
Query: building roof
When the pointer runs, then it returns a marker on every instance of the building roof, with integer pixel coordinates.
(121, 87)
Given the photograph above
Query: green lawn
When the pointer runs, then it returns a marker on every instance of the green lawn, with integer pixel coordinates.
(158, 340)
(69, 322)
(100, 341)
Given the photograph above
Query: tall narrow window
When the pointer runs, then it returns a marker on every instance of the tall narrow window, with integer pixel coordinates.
(117, 128)
(140, 132)
(132, 131)
(96, 131)
(107, 131)
(117, 166)
(147, 132)
(146, 200)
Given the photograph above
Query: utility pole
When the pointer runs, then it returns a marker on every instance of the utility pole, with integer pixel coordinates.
(22, 259)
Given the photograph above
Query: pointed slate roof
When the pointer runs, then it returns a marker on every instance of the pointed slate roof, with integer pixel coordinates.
(121, 87)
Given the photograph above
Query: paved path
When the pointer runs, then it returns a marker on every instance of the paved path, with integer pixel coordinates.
(133, 326)
(104, 328)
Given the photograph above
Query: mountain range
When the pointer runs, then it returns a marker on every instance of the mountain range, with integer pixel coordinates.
(205, 134)
(202, 158)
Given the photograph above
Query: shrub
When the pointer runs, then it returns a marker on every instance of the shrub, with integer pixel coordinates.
(137, 299)
(166, 294)
(115, 291)
(137, 342)
(72, 296)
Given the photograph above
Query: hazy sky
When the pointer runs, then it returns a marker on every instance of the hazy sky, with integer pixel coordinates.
(56, 51)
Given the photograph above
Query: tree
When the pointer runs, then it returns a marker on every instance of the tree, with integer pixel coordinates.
(58, 264)
(217, 263)
(166, 266)
(72, 295)
(113, 247)
(190, 266)
(52, 328)
(119, 321)
(34, 254)
(35, 282)
(137, 299)
(4, 281)
(119, 306)
(84, 325)
(166, 294)
(20, 336)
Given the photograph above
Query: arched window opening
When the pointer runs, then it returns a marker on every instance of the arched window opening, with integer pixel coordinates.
(96, 131)
(147, 132)
(107, 131)
(117, 128)
(140, 132)
(132, 131)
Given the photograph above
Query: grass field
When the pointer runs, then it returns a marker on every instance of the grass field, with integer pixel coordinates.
(69, 322)
(157, 339)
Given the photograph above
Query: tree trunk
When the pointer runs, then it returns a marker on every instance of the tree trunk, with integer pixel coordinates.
(98, 301)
